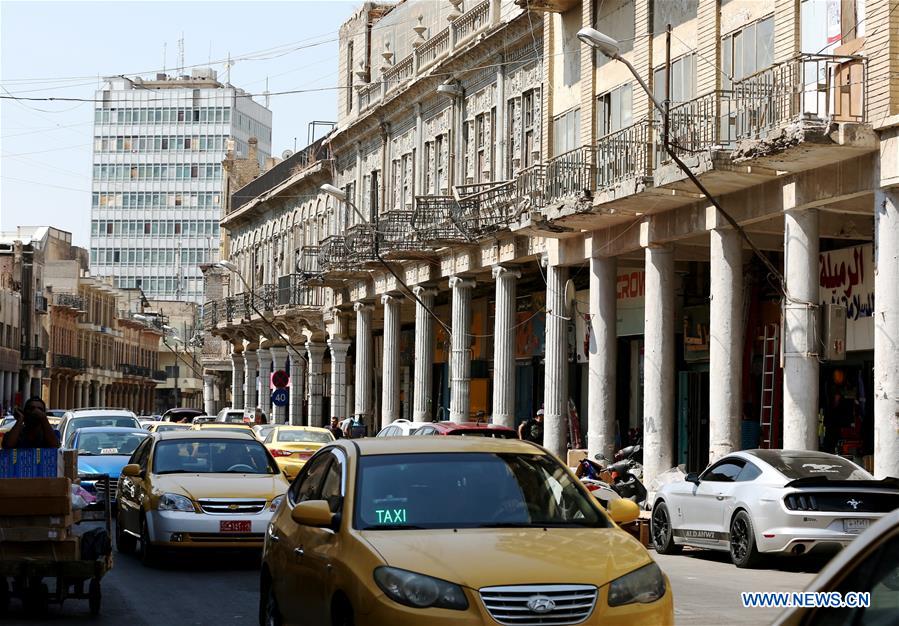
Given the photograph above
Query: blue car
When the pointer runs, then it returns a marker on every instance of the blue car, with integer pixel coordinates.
(105, 450)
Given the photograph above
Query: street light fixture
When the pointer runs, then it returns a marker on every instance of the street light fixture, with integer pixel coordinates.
(610, 48)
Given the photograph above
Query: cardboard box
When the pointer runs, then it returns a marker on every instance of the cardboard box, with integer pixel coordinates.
(576, 456)
(30, 463)
(34, 533)
(69, 464)
(40, 521)
(35, 496)
(68, 549)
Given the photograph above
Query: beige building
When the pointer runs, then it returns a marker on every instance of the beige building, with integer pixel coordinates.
(518, 226)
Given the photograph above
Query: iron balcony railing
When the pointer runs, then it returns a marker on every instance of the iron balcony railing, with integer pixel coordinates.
(159, 375)
(398, 234)
(66, 361)
(32, 354)
(293, 291)
(485, 207)
(529, 192)
(624, 154)
(361, 243)
(264, 298)
(135, 370)
(70, 300)
(334, 254)
(211, 314)
(571, 174)
(40, 303)
(438, 220)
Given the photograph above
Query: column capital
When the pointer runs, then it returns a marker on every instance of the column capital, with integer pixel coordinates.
(294, 352)
(339, 347)
(316, 350)
(501, 271)
(362, 307)
(250, 356)
(461, 282)
(390, 299)
(422, 291)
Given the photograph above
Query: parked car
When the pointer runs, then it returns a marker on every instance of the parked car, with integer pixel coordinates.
(55, 412)
(467, 429)
(262, 430)
(233, 416)
(869, 565)
(161, 427)
(199, 419)
(220, 427)
(459, 530)
(84, 418)
(181, 414)
(292, 446)
(105, 450)
(196, 489)
(148, 419)
(758, 502)
(400, 428)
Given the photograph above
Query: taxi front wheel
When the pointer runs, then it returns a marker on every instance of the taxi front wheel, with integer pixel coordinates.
(147, 551)
(124, 543)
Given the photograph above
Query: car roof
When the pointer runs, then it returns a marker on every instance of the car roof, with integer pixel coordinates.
(76, 413)
(450, 426)
(415, 445)
(203, 434)
(289, 427)
(111, 429)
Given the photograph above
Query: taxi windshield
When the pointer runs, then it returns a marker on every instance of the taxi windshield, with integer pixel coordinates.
(469, 490)
(212, 456)
(303, 436)
(109, 443)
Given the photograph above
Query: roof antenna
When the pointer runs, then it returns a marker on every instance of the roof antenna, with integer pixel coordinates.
(164, 45)
(181, 55)
(267, 95)
(228, 69)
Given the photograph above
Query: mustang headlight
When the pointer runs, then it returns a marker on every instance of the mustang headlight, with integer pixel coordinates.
(275, 502)
(419, 591)
(644, 585)
(174, 502)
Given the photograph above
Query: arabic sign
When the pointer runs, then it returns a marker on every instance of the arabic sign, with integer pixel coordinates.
(846, 277)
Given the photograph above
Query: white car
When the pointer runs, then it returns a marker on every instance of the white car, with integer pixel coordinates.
(232, 416)
(400, 428)
(82, 418)
(770, 501)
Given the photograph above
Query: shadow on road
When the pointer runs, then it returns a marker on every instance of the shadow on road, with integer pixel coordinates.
(201, 560)
(806, 564)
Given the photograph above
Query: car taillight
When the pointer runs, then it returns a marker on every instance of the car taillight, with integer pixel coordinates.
(277, 453)
(801, 502)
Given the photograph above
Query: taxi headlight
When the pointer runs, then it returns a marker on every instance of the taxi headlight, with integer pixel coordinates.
(275, 502)
(419, 591)
(174, 502)
(644, 585)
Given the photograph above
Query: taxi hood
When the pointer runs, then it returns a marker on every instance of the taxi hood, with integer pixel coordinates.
(199, 486)
(519, 556)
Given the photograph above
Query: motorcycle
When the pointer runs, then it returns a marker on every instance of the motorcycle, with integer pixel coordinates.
(624, 476)
(597, 481)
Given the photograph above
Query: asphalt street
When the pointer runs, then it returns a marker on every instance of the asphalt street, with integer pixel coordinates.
(201, 588)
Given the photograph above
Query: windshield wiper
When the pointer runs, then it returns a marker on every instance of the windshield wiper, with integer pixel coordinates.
(393, 527)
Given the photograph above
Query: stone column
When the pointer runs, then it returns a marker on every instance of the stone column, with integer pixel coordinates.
(555, 382)
(603, 358)
(886, 332)
(390, 394)
(86, 394)
(339, 348)
(265, 379)
(279, 362)
(364, 363)
(237, 380)
(658, 363)
(4, 401)
(504, 346)
(424, 355)
(209, 394)
(725, 342)
(316, 352)
(251, 361)
(460, 349)
(297, 386)
(800, 347)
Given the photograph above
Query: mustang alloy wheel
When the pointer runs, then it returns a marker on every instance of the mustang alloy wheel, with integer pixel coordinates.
(661, 532)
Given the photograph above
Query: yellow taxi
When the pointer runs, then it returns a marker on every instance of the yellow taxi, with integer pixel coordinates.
(199, 489)
(224, 427)
(293, 445)
(161, 427)
(447, 531)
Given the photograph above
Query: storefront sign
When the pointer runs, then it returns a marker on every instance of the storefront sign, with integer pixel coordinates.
(631, 291)
(846, 277)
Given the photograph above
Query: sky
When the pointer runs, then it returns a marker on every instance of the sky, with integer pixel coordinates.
(58, 49)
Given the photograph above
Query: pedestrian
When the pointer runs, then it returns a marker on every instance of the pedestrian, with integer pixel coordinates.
(32, 430)
(357, 428)
(532, 429)
(259, 417)
(335, 429)
(345, 426)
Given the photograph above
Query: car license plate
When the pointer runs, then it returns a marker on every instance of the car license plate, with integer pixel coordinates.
(235, 526)
(855, 526)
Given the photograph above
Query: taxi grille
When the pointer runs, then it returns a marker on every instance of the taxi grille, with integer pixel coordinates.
(230, 506)
(561, 604)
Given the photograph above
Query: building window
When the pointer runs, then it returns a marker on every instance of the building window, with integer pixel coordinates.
(614, 110)
(529, 126)
(747, 51)
(349, 77)
(566, 129)
(683, 81)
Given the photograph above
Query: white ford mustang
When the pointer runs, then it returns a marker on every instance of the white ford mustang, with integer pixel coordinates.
(771, 501)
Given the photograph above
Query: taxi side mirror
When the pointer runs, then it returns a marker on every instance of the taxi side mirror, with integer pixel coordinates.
(623, 511)
(132, 469)
(313, 513)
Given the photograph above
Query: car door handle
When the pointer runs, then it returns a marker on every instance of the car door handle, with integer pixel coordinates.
(299, 551)
(719, 497)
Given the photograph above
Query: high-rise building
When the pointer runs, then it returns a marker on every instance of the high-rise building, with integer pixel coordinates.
(157, 176)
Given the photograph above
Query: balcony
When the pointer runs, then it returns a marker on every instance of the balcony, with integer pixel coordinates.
(470, 23)
(485, 208)
(361, 243)
(33, 356)
(547, 6)
(294, 292)
(135, 370)
(399, 239)
(433, 50)
(69, 300)
(336, 260)
(159, 375)
(65, 361)
(212, 314)
(40, 303)
(263, 298)
(369, 95)
(438, 221)
(399, 74)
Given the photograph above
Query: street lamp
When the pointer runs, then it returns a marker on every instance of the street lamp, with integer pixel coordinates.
(610, 48)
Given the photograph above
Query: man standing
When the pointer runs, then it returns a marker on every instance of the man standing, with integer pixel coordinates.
(32, 429)
(259, 418)
(532, 429)
(335, 429)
